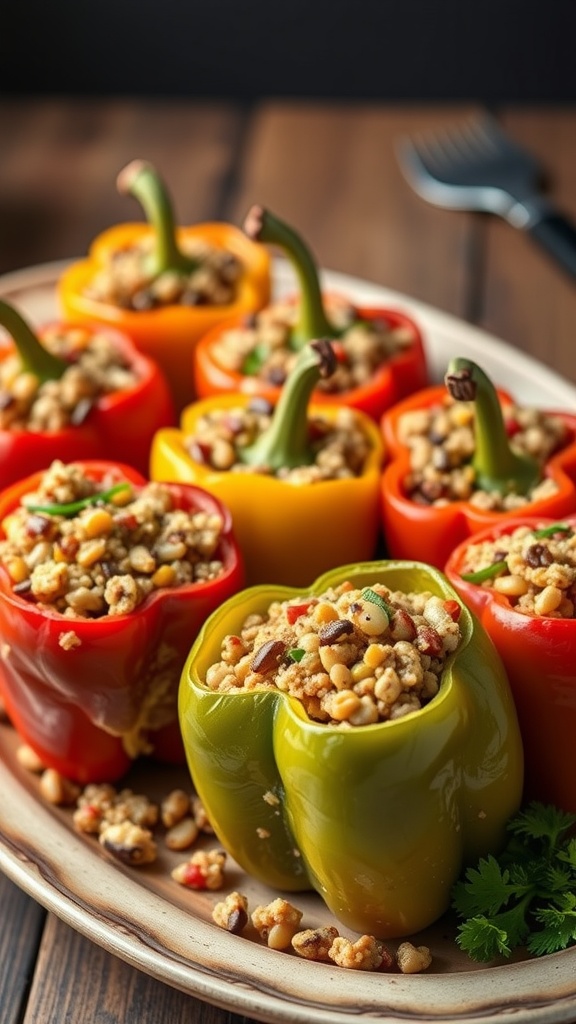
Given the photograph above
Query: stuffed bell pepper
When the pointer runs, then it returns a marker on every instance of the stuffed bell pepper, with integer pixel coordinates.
(380, 352)
(73, 392)
(166, 286)
(358, 738)
(105, 579)
(464, 456)
(520, 579)
(301, 481)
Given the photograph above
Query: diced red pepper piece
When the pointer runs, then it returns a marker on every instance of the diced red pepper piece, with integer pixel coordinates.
(295, 611)
(453, 609)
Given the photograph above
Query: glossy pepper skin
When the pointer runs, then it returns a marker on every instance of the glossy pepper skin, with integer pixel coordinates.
(379, 819)
(80, 709)
(429, 533)
(166, 333)
(539, 654)
(286, 532)
(123, 421)
(401, 374)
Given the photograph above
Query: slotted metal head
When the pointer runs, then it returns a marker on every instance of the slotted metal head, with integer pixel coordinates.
(474, 166)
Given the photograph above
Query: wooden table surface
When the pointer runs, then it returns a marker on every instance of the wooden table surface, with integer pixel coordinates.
(330, 170)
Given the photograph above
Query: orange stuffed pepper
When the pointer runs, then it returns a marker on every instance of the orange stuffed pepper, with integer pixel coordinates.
(166, 286)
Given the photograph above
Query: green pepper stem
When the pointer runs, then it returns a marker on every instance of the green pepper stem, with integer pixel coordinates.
(33, 355)
(141, 180)
(286, 442)
(497, 466)
(262, 226)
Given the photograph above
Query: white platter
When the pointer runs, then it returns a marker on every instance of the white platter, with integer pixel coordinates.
(143, 917)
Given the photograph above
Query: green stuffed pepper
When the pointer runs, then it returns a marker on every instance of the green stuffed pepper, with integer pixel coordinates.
(359, 739)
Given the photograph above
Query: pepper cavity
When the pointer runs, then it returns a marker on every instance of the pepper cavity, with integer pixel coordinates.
(358, 657)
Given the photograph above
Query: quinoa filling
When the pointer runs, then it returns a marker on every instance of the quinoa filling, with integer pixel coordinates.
(339, 445)
(441, 444)
(261, 347)
(535, 569)
(109, 555)
(96, 367)
(352, 657)
(125, 282)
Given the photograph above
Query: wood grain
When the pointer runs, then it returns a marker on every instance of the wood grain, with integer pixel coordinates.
(60, 162)
(72, 972)
(20, 934)
(332, 172)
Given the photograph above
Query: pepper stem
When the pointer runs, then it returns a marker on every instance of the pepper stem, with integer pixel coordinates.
(498, 467)
(262, 226)
(141, 180)
(286, 442)
(33, 355)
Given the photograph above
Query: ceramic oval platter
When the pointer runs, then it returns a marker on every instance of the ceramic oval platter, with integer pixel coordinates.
(144, 917)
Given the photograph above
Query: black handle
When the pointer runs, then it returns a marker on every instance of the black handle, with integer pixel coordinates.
(558, 237)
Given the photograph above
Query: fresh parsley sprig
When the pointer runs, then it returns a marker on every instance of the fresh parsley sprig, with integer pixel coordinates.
(527, 895)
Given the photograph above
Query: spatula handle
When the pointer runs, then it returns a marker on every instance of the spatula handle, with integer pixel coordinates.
(557, 236)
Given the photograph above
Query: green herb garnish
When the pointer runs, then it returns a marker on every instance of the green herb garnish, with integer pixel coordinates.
(296, 654)
(527, 895)
(487, 573)
(73, 507)
(254, 360)
(370, 595)
(549, 531)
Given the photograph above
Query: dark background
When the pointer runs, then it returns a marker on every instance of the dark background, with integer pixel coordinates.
(486, 50)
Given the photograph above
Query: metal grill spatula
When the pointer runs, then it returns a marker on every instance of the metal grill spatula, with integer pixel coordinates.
(478, 167)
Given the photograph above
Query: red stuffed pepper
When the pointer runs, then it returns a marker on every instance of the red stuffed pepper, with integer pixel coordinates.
(75, 393)
(105, 580)
(463, 457)
(520, 579)
(380, 352)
